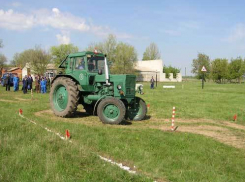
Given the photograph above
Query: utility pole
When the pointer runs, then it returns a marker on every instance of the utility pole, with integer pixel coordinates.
(203, 70)
(156, 78)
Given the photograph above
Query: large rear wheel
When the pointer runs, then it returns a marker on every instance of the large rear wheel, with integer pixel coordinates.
(111, 111)
(137, 111)
(64, 96)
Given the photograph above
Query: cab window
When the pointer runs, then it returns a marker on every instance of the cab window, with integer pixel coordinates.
(96, 63)
(80, 63)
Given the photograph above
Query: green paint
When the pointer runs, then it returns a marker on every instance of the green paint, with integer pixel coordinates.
(60, 98)
(83, 68)
(111, 112)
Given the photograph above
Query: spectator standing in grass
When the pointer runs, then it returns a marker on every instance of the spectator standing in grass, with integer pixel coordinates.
(29, 81)
(15, 82)
(48, 84)
(152, 82)
(45, 80)
(43, 86)
(7, 82)
(37, 84)
(18, 82)
(25, 83)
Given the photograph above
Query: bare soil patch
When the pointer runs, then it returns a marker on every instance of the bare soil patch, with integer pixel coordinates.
(21, 99)
(219, 133)
(234, 125)
(10, 101)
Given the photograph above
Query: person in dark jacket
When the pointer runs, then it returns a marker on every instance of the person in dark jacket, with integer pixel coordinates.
(37, 84)
(152, 83)
(24, 88)
(7, 82)
(29, 82)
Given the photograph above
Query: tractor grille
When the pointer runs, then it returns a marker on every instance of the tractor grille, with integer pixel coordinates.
(130, 84)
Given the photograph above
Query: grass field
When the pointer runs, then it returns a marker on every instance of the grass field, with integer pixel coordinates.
(207, 146)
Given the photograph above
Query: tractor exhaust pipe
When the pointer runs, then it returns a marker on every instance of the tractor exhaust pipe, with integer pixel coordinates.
(106, 72)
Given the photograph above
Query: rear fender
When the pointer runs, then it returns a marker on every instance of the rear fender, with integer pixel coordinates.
(97, 103)
(61, 75)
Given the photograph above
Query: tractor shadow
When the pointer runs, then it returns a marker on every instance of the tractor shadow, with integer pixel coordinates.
(80, 114)
(126, 122)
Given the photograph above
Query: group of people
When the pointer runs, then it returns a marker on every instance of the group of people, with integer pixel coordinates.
(8, 82)
(27, 83)
(41, 83)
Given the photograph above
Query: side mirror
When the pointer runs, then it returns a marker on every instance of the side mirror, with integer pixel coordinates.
(100, 72)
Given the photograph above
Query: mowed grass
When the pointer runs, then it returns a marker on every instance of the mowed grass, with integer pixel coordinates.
(215, 101)
(30, 153)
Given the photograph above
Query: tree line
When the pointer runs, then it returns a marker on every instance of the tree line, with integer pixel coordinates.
(220, 70)
(122, 56)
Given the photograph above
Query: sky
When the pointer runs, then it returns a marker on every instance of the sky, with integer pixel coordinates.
(181, 29)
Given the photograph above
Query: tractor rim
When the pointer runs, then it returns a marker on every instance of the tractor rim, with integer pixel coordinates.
(60, 98)
(111, 112)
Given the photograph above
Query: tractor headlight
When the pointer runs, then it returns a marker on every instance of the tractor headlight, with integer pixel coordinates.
(119, 87)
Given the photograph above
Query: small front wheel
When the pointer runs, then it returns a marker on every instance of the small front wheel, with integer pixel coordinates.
(111, 111)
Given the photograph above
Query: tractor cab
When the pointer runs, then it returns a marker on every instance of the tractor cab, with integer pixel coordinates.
(87, 61)
(84, 66)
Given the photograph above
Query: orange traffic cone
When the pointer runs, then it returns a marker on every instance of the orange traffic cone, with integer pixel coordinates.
(148, 106)
(67, 134)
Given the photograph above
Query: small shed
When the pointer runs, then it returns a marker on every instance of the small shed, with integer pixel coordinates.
(14, 70)
(51, 71)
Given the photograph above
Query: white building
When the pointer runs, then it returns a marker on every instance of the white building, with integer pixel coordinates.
(27, 71)
(147, 69)
(50, 71)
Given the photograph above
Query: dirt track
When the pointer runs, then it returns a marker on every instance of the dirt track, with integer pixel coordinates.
(225, 132)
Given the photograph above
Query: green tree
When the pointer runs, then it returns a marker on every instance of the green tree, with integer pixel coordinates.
(170, 69)
(125, 58)
(39, 60)
(60, 52)
(236, 69)
(3, 60)
(121, 56)
(20, 59)
(107, 47)
(197, 64)
(219, 70)
(152, 52)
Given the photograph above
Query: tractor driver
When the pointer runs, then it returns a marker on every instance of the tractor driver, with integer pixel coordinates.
(81, 64)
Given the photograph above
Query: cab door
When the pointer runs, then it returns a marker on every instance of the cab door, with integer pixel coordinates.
(80, 71)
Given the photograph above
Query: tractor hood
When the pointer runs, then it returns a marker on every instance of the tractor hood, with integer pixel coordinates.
(126, 83)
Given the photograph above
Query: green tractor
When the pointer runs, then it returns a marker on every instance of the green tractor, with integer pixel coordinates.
(87, 81)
